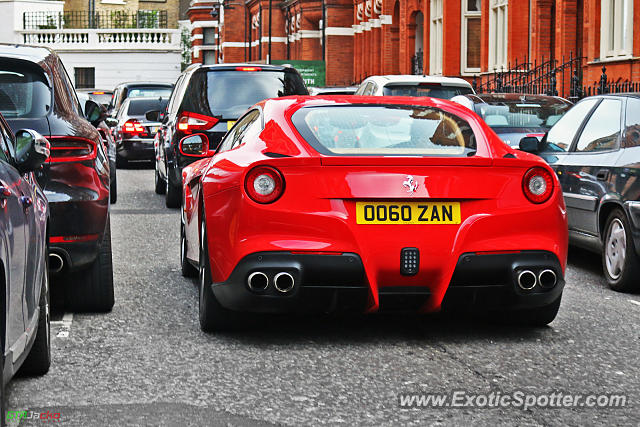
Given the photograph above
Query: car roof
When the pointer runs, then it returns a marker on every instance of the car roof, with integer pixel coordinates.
(144, 83)
(624, 94)
(493, 97)
(410, 78)
(25, 52)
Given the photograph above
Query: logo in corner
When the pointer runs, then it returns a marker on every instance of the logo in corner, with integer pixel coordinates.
(410, 184)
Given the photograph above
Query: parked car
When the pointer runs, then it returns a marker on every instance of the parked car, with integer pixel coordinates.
(23, 256)
(230, 89)
(134, 133)
(349, 90)
(303, 208)
(595, 150)
(110, 146)
(515, 115)
(36, 93)
(137, 90)
(410, 85)
(101, 96)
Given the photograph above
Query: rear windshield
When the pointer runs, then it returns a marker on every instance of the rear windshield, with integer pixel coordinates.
(138, 107)
(23, 91)
(101, 98)
(542, 113)
(230, 93)
(433, 90)
(391, 130)
(149, 91)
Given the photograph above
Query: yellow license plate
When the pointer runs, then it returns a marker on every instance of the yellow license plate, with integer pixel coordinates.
(408, 213)
(230, 125)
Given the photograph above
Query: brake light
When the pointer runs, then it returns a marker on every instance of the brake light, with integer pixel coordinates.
(188, 122)
(264, 184)
(97, 93)
(133, 126)
(537, 185)
(248, 69)
(71, 149)
(536, 135)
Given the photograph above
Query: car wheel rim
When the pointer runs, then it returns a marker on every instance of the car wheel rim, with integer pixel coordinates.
(616, 249)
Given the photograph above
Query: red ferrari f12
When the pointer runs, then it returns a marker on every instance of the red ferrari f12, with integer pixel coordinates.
(321, 204)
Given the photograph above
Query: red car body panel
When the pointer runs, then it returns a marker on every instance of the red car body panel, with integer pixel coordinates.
(317, 211)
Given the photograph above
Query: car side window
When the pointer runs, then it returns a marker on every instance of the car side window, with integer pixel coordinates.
(561, 135)
(71, 92)
(632, 123)
(368, 90)
(602, 132)
(173, 105)
(233, 138)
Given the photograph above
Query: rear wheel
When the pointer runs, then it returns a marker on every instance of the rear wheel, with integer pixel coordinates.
(172, 196)
(619, 260)
(113, 191)
(39, 359)
(121, 162)
(160, 184)
(212, 315)
(91, 289)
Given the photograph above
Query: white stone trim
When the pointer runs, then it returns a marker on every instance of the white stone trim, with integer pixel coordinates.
(375, 23)
(234, 44)
(386, 19)
(204, 24)
(339, 31)
(366, 26)
(310, 34)
(357, 29)
(118, 2)
(197, 37)
(265, 39)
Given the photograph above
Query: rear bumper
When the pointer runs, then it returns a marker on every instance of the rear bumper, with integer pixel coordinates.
(338, 282)
(136, 149)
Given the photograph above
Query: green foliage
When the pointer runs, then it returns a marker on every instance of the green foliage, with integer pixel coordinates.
(185, 44)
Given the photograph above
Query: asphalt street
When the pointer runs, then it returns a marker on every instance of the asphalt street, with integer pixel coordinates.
(148, 363)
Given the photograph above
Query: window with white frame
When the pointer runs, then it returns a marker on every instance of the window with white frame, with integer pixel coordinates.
(470, 46)
(498, 25)
(616, 29)
(435, 37)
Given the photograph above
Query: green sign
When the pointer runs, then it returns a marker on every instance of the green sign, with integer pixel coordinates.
(312, 72)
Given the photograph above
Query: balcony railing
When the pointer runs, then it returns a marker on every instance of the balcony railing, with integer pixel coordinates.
(112, 39)
(82, 19)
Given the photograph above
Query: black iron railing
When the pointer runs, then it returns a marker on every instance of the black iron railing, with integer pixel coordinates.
(82, 19)
(416, 63)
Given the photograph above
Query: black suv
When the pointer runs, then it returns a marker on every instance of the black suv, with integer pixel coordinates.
(595, 150)
(228, 89)
(137, 90)
(36, 93)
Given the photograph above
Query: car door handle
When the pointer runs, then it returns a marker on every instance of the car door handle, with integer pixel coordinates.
(602, 175)
(26, 201)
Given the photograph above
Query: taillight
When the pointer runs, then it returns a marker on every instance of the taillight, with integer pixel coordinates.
(71, 149)
(248, 69)
(537, 185)
(188, 122)
(133, 128)
(264, 184)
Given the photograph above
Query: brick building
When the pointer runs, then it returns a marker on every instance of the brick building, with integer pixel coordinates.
(467, 38)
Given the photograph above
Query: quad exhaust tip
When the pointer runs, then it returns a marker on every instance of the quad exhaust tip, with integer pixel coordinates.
(547, 278)
(258, 281)
(56, 263)
(284, 282)
(527, 280)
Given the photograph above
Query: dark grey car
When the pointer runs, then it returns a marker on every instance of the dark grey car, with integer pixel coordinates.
(595, 150)
(24, 220)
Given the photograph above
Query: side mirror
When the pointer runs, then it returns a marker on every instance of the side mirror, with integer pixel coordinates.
(529, 144)
(32, 150)
(196, 145)
(152, 116)
(94, 112)
(111, 121)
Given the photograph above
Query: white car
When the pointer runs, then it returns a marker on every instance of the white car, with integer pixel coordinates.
(410, 85)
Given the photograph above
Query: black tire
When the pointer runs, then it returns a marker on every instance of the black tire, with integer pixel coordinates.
(620, 263)
(212, 315)
(121, 162)
(91, 289)
(172, 196)
(536, 317)
(113, 190)
(160, 184)
(188, 270)
(39, 359)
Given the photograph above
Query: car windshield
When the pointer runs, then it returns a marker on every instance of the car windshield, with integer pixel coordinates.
(538, 113)
(138, 107)
(24, 92)
(149, 92)
(231, 93)
(433, 90)
(387, 130)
